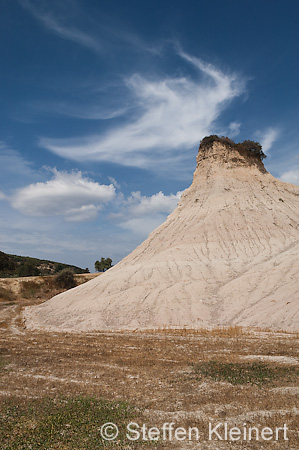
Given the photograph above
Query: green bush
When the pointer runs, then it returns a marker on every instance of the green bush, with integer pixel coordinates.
(58, 268)
(251, 148)
(65, 279)
(28, 270)
(209, 140)
(6, 263)
(103, 265)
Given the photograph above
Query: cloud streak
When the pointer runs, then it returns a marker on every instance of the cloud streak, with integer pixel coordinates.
(72, 34)
(14, 168)
(170, 115)
(79, 111)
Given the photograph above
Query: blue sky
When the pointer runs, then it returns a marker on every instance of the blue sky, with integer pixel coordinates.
(103, 106)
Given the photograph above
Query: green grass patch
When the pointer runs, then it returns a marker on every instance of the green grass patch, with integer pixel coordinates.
(245, 373)
(64, 423)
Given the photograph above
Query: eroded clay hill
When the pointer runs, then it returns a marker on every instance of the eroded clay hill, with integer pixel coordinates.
(228, 254)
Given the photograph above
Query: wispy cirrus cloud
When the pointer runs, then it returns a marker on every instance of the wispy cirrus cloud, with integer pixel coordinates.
(109, 32)
(53, 24)
(169, 116)
(70, 195)
(14, 167)
(79, 111)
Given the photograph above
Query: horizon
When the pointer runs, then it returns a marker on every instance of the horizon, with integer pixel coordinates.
(102, 114)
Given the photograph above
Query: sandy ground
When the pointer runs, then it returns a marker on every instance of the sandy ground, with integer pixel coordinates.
(154, 371)
(227, 255)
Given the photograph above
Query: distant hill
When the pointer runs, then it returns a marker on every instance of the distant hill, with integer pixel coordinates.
(24, 266)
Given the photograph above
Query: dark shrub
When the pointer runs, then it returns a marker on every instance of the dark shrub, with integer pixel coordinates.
(252, 148)
(103, 265)
(6, 262)
(28, 270)
(58, 268)
(208, 140)
(65, 279)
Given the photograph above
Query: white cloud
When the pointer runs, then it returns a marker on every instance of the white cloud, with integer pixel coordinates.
(291, 176)
(82, 214)
(139, 205)
(114, 182)
(65, 32)
(2, 196)
(267, 138)
(67, 194)
(171, 115)
(143, 214)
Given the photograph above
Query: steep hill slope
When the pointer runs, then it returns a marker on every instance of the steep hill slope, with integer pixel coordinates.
(228, 254)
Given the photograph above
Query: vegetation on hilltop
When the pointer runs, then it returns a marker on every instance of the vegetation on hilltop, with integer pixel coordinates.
(252, 148)
(24, 266)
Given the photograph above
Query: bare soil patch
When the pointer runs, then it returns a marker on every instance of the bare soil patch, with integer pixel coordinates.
(39, 288)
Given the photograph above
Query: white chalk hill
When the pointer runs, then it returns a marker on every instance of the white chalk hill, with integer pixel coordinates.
(227, 255)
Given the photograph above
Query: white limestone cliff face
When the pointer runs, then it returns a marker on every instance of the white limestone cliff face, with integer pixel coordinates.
(227, 255)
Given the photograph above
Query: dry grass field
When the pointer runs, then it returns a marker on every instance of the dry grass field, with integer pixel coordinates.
(58, 389)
